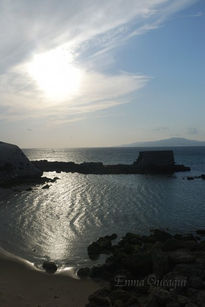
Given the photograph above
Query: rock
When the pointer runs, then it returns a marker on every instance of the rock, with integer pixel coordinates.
(54, 179)
(196, 282)
(201, 232)
(163, 296)
(130, 238)
(49, 267)
(173, 304)
(140, 264)
(121, 295)
(203, 176)
(190, 305)
(176, 281)
(83, 272)
(163, 166)
(47, 186)
(200, 246)
(174, 244)
(15, 166)
(29, 189)
(118, 303)
(181, 256)
(101, 272)
(201, 298)
(104, 292)
(160, 235)
(160, 262)
(96, 300)
(190, 269)
(102, 246)
(182, 300)
(152, 302)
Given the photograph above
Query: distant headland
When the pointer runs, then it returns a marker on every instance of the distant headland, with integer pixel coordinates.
(170, 142)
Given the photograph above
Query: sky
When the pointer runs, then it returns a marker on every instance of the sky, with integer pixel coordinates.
(92, 73)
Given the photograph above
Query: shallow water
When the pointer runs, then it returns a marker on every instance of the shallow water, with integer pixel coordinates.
(59, 223)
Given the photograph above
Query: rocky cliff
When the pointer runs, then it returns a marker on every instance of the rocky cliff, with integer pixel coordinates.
(14, 165)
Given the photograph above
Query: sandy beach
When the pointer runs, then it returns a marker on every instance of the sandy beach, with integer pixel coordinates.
(21, 285)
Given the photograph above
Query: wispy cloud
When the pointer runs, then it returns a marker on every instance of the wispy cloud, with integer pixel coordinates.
(86, 30)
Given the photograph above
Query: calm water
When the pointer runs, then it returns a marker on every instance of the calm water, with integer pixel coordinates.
(59, 223)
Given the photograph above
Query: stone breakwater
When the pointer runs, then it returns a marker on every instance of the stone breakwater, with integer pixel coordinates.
(99, 168)
(157, 270)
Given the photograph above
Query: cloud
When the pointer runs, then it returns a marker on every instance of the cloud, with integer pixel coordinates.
(85, 29)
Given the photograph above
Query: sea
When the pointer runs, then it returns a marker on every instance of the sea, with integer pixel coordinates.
(57, 224)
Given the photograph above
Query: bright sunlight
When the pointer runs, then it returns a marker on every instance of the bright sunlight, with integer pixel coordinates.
(55, 74)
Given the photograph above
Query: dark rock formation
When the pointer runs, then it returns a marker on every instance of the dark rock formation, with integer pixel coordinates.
(157, 270)
(102, 246)
(155, 159)
(148, 162)
(201, 232)
(49, 267)
(15, 166)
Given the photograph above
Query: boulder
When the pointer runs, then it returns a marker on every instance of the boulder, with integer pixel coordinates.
(160, 262)
(83, 272)
(14, 165)
(181, 256)
(160, 235)
(174, 244)
(201, 232)
(49, 267)
(102, 246)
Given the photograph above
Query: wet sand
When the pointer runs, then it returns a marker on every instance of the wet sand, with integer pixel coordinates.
(21, 285)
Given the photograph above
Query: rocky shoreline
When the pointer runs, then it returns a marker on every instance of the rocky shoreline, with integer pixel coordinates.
(156, 270)
(99, 168)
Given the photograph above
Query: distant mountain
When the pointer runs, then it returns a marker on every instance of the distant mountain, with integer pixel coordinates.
(171, 142)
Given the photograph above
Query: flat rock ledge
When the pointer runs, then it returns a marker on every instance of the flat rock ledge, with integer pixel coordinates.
(157, 270)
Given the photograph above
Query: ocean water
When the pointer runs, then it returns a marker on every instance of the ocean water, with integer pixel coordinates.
(59, 223)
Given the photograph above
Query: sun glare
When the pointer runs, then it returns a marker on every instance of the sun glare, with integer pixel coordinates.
(55, 74)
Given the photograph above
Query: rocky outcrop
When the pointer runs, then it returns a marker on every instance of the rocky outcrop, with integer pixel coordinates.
(157, 270)
(148, 162)
(15, 166)
(157, 158)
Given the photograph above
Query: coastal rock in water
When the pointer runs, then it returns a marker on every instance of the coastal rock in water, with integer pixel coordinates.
(160, 235)
(102, 246)
(83, 272)
(201, 232)
(47, 186)
(14, 165)
(49, 267)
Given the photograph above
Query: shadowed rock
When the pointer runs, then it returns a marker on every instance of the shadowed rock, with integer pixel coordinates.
(153, 162)
(49, 267)
(15, 166)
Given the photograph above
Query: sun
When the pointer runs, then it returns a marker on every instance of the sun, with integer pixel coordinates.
(55, 74)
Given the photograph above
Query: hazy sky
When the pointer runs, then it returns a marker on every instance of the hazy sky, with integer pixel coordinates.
(101, 72)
